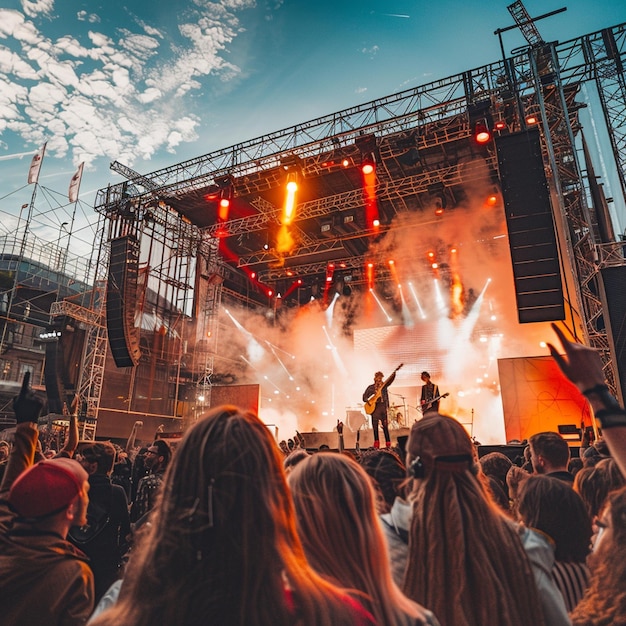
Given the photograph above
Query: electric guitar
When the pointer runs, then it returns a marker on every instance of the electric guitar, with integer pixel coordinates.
(426, 405)
(370, 405)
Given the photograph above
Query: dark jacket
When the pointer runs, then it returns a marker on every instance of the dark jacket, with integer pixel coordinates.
(44, 579)
(108, 506)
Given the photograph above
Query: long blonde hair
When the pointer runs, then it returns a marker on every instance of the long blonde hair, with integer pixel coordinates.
(341, 533)
(223, 539)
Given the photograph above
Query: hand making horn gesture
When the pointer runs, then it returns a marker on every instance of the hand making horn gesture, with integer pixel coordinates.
(581, 364)
(27, 405)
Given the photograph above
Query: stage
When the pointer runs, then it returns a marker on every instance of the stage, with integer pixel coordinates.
(313, 440)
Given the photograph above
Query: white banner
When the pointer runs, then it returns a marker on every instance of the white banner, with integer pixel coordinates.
(75, 184)
(35, 166)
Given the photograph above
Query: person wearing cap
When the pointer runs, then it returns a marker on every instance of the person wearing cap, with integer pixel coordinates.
(465, 559)
(44, 579)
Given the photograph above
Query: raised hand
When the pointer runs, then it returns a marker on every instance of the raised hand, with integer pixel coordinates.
(339, 427)
(581, 364)
(27, 405)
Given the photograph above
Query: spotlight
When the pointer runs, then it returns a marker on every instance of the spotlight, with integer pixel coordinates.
(368, 166)
(492, 200)
(482, 134)
(531, 120)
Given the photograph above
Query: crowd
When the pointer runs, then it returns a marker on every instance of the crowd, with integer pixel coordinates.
(233, 529)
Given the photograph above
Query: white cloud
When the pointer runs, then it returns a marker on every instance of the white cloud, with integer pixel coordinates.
(83, 16)
(11, 63)
(371, 52)
(120, 94)
(360, 90)
(140, 46)
(72, 47)
(149, 95)
(32, 8)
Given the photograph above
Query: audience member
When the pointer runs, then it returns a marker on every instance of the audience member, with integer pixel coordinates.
(44, 579)
(604, 603)
(495, 467)
(550, 506)
(221, 546)
(104, 538)
(388, 474)
(156, 460)
(549, 454)
(466, 562)
(293, 458)
(574, 466)
(339, 528)
(594, 484)
(514, 479)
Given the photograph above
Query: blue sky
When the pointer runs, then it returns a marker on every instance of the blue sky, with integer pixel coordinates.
(151, 84)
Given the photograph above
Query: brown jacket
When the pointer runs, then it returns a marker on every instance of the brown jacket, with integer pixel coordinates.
(44, 579)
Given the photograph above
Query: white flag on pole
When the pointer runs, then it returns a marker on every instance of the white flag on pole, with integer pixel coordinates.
(75, 184)
(35, 166)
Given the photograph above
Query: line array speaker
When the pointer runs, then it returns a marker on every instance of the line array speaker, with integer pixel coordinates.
(122, 301)
(532, 238)
(613, 282)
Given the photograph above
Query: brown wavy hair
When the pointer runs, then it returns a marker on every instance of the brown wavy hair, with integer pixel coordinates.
(595, 482)
(466, 562)
(335, 506)
(604, 602)
(222, 539)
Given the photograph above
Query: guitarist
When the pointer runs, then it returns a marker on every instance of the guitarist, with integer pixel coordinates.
(380, 413)
(430, 391)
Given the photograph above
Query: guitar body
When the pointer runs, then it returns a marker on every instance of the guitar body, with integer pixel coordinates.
(370, 404)
(427, 405)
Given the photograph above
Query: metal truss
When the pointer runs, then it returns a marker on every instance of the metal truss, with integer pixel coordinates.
(542, 79)
(386, 190)
(95, 349)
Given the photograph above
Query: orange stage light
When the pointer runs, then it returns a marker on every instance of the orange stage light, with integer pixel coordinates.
(531, 120)
(482, 134)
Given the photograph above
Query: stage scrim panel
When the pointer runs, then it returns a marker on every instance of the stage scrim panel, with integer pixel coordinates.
(537, 397)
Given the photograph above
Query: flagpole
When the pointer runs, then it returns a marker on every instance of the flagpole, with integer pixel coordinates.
(33, 177)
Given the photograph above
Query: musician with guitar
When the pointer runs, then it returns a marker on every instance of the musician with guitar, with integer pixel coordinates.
(429, 401)
(376, 400)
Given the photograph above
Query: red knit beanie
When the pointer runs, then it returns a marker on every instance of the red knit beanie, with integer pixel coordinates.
(47, 487)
